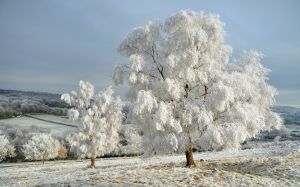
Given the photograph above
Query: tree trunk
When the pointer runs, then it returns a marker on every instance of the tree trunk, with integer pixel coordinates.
(190, 162)
(93, 162)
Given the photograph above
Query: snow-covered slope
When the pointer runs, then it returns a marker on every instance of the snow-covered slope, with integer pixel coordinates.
(57, 125)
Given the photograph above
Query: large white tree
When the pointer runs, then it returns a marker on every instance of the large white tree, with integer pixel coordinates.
(100, 118)
(188, 92)
(41, 146)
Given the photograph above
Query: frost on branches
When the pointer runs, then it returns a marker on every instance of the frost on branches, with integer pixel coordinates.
(188, 93)
(100, 118)
(6, 148)
(41, 147)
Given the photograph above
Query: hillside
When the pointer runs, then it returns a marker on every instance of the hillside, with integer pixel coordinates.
(14, 103)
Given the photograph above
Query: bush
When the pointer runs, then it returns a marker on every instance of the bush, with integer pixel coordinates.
(6, 148)
(41, 147)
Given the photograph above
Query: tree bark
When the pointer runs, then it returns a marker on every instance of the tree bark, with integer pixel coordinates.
(190, 162)
(93, 160)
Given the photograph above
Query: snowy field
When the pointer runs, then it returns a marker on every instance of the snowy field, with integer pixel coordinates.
(265, 164)
(57, 125)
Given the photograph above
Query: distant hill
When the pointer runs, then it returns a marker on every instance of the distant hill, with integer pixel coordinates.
(14, 103)
(291, 115)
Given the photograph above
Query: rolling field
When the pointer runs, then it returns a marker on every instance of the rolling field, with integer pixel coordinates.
(55, 124)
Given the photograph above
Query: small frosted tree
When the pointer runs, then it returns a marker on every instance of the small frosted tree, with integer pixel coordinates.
(186, 90)
(6, 148)
(99, 116)
(41, 147)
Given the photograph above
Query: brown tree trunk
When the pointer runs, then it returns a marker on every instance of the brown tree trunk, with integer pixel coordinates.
(93, 162)
(190, 162)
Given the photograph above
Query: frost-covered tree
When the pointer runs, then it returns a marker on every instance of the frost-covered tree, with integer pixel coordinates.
(188, 93)
(6, 148)
(100, 117)
(41, 147)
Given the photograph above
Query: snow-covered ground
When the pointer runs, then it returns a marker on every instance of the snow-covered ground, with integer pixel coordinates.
(266, 163)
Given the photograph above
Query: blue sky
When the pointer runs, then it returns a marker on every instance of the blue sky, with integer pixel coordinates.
(51, 45)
